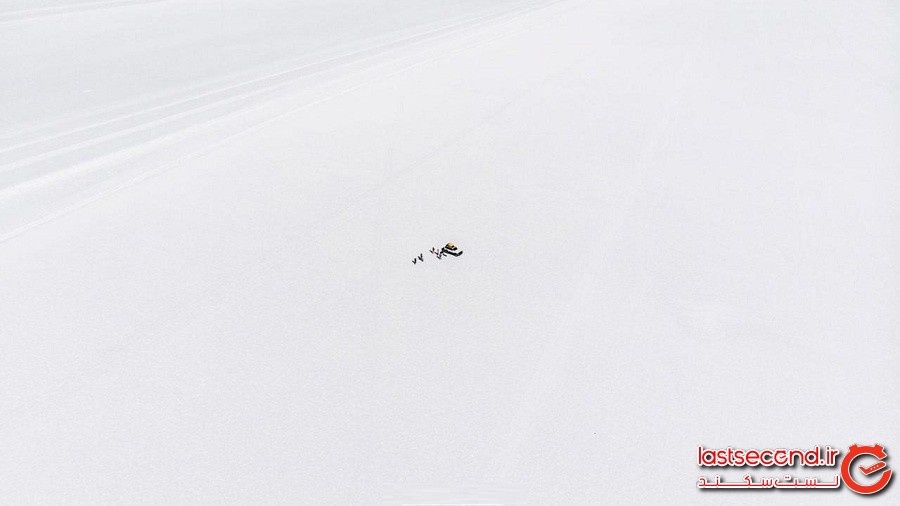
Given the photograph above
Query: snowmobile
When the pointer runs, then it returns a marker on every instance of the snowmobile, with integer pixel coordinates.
(451, 249)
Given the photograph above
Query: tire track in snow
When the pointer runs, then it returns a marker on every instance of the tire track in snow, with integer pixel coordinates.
(36, 171)
(39, 12)
(22, 161)
(28, 184)
(84, 373)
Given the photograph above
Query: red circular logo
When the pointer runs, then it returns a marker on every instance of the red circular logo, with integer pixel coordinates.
(876, 451)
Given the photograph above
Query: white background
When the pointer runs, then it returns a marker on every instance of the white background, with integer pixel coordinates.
(679, 222)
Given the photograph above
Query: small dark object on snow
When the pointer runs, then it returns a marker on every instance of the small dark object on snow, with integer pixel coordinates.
(451, 249)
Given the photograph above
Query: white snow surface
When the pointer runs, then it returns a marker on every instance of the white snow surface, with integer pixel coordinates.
(679, 220)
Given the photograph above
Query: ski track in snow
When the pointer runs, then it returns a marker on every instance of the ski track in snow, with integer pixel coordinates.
(29, 165)
(28, 151)
(36, 183)
(18, 15)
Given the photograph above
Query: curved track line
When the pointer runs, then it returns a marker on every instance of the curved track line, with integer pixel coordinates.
(211, 147)
(254, 84)
(40, 12)
(23, 175)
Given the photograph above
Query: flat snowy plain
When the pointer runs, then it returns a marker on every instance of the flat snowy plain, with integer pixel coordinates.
(680, 223)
